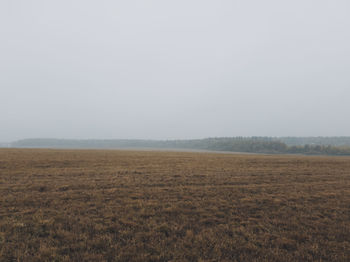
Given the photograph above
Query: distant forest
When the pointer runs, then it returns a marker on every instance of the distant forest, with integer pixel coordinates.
(266, 145)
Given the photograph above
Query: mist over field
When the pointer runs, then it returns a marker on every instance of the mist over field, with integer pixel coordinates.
(188, 130)
(173, 69)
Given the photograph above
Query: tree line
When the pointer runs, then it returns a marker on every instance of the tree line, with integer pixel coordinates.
(266, 145)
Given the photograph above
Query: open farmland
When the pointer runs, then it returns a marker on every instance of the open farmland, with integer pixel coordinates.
(104, 205)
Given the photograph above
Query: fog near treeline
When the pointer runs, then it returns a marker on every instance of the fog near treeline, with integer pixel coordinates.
(269, 145)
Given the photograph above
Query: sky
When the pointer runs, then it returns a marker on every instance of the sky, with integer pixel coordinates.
(158, 69)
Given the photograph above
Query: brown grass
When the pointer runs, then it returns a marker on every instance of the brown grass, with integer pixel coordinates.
(76, 205)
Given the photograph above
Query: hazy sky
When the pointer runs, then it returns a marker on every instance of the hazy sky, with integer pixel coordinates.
(174, 69)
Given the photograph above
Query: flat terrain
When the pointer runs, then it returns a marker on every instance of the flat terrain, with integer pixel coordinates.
(76, 205)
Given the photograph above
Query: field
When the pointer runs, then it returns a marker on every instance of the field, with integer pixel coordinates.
(95, 205)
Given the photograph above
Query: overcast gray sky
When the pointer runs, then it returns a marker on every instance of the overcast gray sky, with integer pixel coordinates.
(174, 69)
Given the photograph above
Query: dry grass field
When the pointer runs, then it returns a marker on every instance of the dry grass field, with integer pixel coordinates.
(94, 205)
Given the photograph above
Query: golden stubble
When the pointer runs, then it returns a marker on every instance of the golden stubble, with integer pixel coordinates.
(109, 205)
